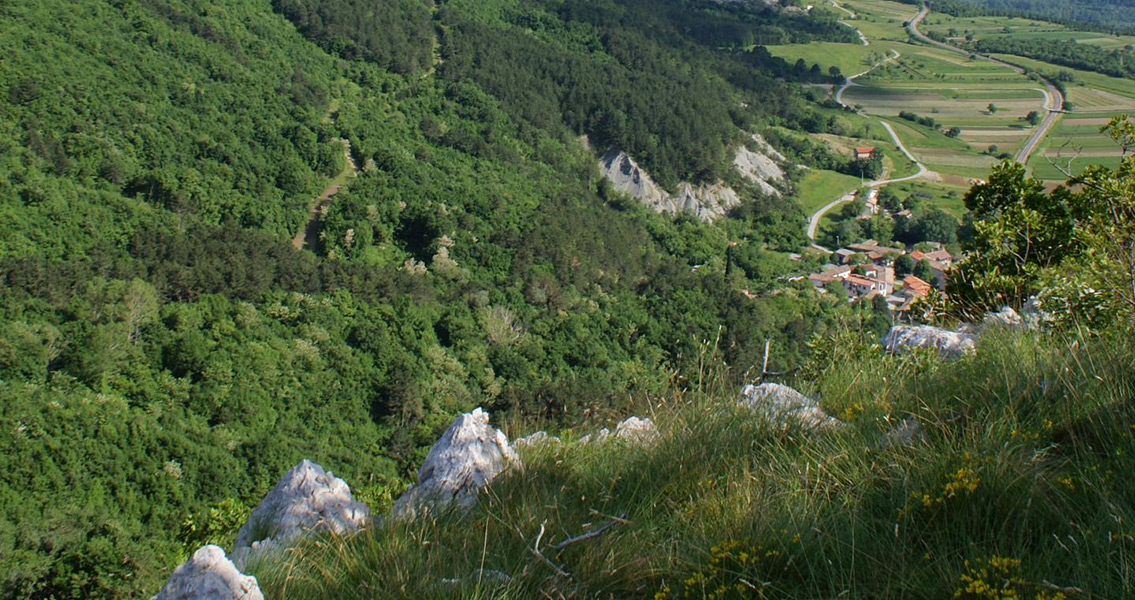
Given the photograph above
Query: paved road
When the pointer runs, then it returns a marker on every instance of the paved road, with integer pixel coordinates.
(1054, 102)
(814, 220)
(862, 38)
(850, 81)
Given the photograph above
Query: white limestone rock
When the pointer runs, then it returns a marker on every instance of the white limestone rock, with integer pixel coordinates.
(707, 202)
(759, 168)
(783, 405)
(598, 436)
(306, 499)
(469, 455)
(628, 178)
(949, 344)
(209, 575)
(1006, 317)
(540, 438)
(637, 431)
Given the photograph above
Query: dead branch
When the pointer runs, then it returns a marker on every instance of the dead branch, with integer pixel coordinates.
(588, 535)
(534, 549)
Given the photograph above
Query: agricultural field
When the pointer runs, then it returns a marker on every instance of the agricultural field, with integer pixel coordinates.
(955, 92)
(1093, 100)
(958, 28)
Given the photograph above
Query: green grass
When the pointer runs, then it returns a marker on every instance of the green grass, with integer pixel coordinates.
(1029, 445)
(850, 58)
(820, 187)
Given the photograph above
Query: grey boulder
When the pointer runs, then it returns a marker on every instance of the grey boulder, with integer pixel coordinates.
(949, 344)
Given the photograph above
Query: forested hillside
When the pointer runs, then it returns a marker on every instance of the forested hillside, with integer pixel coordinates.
(165, 352)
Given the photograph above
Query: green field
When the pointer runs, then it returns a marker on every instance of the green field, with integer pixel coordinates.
(821, 187)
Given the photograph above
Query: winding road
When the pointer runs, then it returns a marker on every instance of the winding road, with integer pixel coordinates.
(1054, 100)
(814, 220)
(1054, 104)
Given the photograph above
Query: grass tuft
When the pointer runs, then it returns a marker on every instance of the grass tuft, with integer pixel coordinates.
(1022, 477)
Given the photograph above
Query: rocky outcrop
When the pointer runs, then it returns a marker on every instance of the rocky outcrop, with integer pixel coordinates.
(782, 405)
(1006, 317)
(637, 431)
(466, 458)
(209, 575)
(708, 202)
(759, 168)
(633, 430)
(628, 178)
(306, 499)
(949, 344)
(540, 438)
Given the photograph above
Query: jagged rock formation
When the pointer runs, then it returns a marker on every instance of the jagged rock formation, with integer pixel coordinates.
(949, 344)
(466, 458)
(209, 575)
(783, 405)
(708, 202)
(306, 499)
(540, 438)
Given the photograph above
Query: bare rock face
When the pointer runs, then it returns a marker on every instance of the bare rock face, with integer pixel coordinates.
(209, 575)
(306, 499)
(628, 178)
(466, 458)
(637, 431)
(760, 168)
(783, 405)
(708, 202)
(949, 344)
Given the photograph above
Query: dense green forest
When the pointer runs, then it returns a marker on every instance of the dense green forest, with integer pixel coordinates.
(165, 353)
(1114, 16)
(1119, 62)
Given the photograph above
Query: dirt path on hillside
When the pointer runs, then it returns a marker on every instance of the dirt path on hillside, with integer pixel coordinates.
(308, 237)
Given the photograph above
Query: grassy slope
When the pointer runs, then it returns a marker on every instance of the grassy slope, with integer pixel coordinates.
(1027, 445)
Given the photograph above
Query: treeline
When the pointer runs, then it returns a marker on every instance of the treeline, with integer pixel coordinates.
(1111, 16)
(1119, 62)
